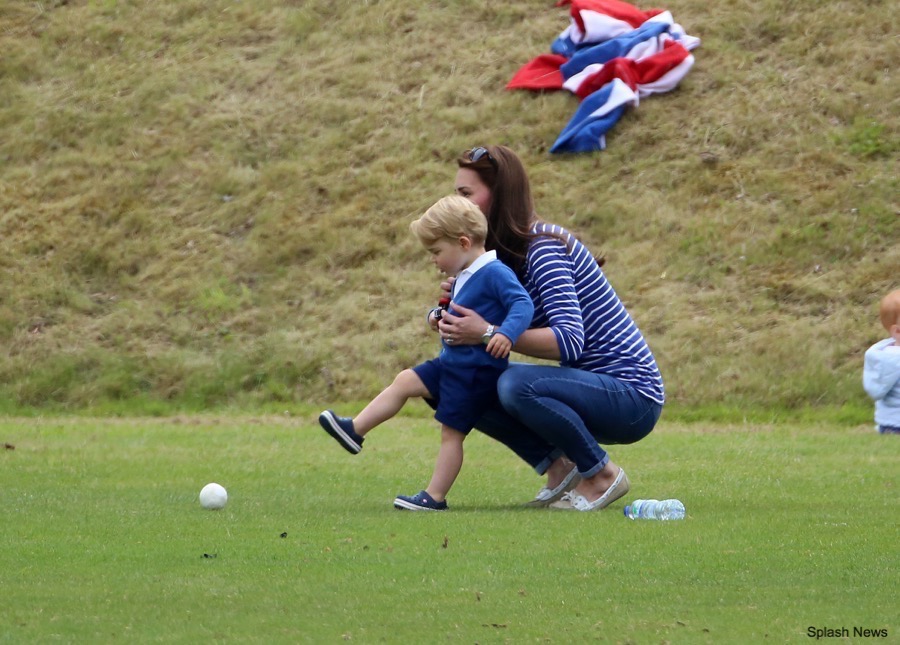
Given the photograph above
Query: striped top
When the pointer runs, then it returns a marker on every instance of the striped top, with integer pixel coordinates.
(594, 331)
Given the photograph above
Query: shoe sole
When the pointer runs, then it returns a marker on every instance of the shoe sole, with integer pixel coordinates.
(567, 484)
(403, 505)
(330, 425)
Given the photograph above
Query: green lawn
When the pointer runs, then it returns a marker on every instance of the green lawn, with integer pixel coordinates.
(102, 538)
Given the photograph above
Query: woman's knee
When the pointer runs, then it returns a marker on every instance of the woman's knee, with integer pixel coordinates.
(513, 387)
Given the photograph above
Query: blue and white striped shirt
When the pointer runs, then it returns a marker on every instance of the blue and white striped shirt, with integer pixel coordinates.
(594, 331)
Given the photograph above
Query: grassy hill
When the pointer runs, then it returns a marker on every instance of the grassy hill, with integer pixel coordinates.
(206, 203)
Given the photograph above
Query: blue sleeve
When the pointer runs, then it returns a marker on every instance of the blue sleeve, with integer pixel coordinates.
(881, 371)
(552, 274)
(518, 304)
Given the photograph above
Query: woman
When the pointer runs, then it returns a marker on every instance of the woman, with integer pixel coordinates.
(607, 388)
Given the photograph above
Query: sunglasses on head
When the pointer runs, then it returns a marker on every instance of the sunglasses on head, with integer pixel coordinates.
(476, 154)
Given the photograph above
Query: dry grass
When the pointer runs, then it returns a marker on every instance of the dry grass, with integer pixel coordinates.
(204, 202)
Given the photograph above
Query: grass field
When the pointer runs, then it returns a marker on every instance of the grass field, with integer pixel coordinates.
(103, 540)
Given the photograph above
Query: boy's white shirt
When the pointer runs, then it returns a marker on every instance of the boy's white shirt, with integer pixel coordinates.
(881, 380)
(465, 274)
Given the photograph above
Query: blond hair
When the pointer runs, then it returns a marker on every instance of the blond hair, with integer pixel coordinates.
(450, 218)
(890, 309)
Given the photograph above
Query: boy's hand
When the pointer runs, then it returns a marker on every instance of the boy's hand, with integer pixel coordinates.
(447, 286)
(499, 346)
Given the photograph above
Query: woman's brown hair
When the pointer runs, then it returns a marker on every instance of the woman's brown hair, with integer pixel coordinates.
(512, 211)
(512, 207)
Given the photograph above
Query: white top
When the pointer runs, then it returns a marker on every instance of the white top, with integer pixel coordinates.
(881, 379)
(465, 274)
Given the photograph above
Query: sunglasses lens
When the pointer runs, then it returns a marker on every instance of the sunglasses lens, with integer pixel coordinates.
(478, 153)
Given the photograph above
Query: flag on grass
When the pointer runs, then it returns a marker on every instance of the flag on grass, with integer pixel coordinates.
(611, 55)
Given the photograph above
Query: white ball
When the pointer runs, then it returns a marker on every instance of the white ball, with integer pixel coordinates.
(213, 497)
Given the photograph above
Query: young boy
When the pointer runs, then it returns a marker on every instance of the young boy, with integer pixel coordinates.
(881, 373)
(461, 383)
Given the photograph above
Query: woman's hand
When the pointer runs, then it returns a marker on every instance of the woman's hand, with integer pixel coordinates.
(465, 327)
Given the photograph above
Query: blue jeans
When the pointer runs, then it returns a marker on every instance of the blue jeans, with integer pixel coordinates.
(546, 411)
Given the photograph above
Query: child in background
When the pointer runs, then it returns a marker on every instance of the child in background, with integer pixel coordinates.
(461, 383)
(881, 373)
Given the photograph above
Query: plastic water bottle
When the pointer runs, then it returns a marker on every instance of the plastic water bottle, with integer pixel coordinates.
(653, 509)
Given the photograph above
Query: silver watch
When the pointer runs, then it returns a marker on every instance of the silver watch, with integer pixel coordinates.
(486, 337)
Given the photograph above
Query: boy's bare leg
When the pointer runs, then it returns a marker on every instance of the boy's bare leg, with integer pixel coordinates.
(449, 462)
(406, 385)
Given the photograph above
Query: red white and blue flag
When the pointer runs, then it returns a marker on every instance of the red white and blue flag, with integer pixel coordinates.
(611, 55)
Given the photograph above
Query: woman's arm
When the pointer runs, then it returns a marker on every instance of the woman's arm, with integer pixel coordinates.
(467, 328)
(539, 343)
(551, 270)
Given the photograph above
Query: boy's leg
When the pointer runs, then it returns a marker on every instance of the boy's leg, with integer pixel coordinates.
(449, 462)
(406, 385)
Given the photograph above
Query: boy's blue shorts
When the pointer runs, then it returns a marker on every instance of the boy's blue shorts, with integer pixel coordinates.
(459, 395)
